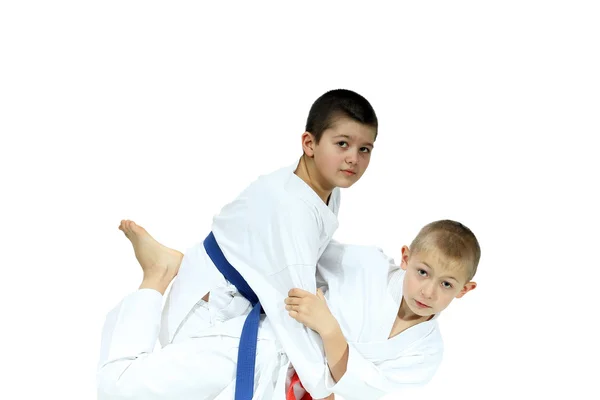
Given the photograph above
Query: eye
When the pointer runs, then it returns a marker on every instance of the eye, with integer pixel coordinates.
(447, 285)
(342, 144)
(422, 272)
(365, 150)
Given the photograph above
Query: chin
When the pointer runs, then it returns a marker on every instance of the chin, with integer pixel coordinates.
(345, 183)
(422, 312)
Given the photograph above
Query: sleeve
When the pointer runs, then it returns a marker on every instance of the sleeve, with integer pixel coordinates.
(364, 380)
(129, 369)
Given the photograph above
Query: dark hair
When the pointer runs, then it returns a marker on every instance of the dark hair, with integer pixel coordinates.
(339, 103)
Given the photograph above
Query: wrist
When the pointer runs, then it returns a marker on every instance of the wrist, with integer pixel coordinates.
(331, 331)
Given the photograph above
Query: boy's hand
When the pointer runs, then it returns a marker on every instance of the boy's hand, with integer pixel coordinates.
(311, 310)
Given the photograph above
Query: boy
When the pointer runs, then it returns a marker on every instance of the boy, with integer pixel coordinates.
(263, 244)
(369, 347)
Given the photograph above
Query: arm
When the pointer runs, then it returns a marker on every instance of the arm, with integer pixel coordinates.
(348, 373)
(312, 311)
(336, 352)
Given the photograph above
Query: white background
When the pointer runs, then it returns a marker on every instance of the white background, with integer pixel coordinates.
(161, 112)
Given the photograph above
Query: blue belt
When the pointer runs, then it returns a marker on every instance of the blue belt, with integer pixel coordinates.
(244, 387)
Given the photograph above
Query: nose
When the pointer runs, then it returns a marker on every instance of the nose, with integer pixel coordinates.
(352, 157)
(427, 290)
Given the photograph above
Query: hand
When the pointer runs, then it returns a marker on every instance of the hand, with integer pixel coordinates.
(311, 310)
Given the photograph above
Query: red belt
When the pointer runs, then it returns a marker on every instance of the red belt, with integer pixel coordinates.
(290, 393)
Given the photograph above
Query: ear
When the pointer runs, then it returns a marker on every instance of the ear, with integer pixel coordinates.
(308, 144)
(405, 255)
(467, 288)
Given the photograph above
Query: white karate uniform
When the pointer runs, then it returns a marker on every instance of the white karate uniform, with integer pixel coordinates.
(363, 290)
(364, 294)
(273, 234)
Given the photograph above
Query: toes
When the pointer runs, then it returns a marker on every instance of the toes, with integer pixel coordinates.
(138, 229)
(130, 228)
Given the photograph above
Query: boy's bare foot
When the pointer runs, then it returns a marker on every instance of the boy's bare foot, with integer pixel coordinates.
(157, 260)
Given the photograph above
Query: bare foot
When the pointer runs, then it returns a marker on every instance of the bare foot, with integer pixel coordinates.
(156, 259)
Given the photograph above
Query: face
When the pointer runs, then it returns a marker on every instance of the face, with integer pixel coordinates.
(342, 155)
(432, 282)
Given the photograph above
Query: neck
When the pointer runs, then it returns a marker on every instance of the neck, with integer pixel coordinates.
(307, 171)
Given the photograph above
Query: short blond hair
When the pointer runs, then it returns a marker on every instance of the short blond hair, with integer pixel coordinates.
(453, 240)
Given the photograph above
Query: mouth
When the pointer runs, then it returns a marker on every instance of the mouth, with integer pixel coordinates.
(348, 172)
(421, 305)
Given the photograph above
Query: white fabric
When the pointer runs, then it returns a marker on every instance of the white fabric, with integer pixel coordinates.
(274, 234)
(190, 368)
(364, 293)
